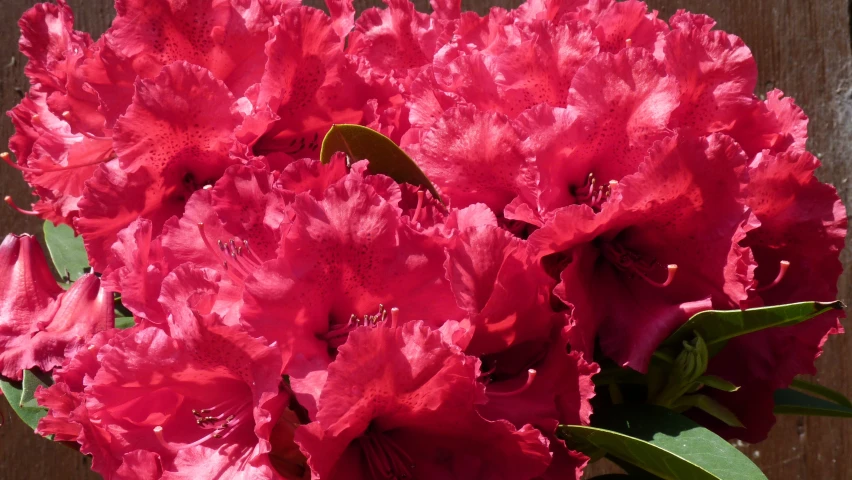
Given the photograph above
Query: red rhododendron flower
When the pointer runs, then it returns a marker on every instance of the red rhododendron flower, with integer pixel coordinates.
(38, 319)
(56, 149)
(400, 402)
(173, 140)
(797, 247)
(346, 259)
(307, 86)
(647, 262)
(603, 175)
(530, 376)
(64, 399)
(199, 402)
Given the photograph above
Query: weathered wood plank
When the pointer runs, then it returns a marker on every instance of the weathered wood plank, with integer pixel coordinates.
(801, 46)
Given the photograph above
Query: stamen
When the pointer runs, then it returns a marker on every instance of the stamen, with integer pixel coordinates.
(590, 193)
(783, 265)
(420, 195)
(18, 209)
(629, 42)
(394, 317)
(158, 432)
(672, 270)
(489, 371)
(8, 159)
(531, 373)
(235, 273)
(35, 119)
(66, 115)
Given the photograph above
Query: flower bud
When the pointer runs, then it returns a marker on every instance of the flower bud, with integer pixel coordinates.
(688, 367)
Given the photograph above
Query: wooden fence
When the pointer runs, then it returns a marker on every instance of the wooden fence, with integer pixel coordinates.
(801, 47)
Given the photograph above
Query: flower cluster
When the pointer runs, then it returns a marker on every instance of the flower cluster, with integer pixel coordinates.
(603, 175)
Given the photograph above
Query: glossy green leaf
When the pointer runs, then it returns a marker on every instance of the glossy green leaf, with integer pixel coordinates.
(66, 251)
(21, 399)
(384, 155)
(792, 402)
(719, 326)
(124, 322)
(821, 391)
(664, 444)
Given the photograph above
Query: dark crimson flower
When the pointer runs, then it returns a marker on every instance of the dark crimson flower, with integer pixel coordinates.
(530, 376)
(647, 262)
(797, 248)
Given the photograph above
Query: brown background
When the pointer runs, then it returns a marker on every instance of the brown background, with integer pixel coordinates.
(801, 46)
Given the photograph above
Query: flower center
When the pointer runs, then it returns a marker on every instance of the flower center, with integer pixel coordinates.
(338, 333)
(220, 420)
(238, 260)
(592, 194)
(384, 457)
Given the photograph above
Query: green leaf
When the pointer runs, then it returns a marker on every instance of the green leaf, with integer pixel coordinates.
(792, 402)
(384, 155)
(716, 327)
(709, 406)
(664, 444)
(824, 392)
(20, 396)
(66, 251)
(30, 383)
(713, 381)
(124, 322)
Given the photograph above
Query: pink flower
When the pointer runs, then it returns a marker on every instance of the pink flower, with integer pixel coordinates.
(200, 401)
(346, 259)
(307, 86)
(64, 399)
(38, 319)
(400, 402)
(59, 132)
(173, 140)
(472, 156)
(618, 106)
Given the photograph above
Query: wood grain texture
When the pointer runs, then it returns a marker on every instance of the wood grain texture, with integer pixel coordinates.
(801, 47)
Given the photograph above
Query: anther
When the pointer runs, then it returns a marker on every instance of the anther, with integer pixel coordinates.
(531, 373)
(783, 265)
(629, 42)
(18, 209)
(35, 119)
(66, 115)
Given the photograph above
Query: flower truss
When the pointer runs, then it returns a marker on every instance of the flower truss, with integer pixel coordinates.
(592, 178)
